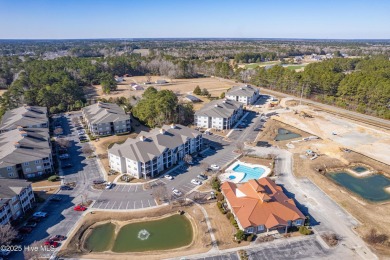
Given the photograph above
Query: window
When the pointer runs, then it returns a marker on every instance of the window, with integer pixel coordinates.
(260, 228)
(249, 229)
(26, 163)
(11, 174)
(37, 161)
(9, 168)
(298, 222)
(28, 169)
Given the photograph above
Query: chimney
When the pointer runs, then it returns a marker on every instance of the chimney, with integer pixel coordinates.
(173, 126)
(215, 105)
(162, 131)
(23, 133)
(17, 144)
(20, 128)
(142, 138)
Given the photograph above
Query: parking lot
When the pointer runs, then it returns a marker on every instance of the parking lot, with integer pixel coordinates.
(251, 125)
(232, 256)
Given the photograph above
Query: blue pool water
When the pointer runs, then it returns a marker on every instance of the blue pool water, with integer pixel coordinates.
(250, 173)
(232, 177)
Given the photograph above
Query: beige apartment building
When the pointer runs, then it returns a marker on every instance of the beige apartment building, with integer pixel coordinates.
(25, 116)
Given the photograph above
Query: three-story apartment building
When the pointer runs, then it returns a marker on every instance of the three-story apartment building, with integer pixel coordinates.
(25, 116)
(219, 114)
(16, 197)
(246, 95)
(152, 152)
(25, 153)
(106, 119)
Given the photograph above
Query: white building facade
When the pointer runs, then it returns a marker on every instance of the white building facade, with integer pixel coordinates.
(246, 95)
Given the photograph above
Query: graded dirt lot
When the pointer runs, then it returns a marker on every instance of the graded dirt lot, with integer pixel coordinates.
(182, 87)
(200, 244)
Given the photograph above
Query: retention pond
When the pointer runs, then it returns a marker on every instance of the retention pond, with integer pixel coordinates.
(284, 134)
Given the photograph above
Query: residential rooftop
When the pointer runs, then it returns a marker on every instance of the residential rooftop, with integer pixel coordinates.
(24, 145)
(11, 187)
(222, 108)
(105, 113)
(24, 116)
(147, 145)
(261, 202)
(245, 91)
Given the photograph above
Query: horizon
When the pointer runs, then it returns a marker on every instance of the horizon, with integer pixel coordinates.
(174, 19)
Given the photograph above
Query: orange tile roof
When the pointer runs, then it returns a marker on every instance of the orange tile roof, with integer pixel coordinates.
(260, 202)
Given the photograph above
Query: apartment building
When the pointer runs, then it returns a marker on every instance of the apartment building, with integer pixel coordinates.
(16, 197)
(246, 95)
(152, 152)
(106, 119)
(261, 206)
(25, 116)
(25, 153)
(219, 114)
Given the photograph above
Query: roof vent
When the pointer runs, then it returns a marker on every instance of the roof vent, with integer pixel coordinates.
(240, 88)
(162, 131)
(173, 126)
(224, 101)
(23, 133)
(17, 144)
(215, 105)
(142, 138)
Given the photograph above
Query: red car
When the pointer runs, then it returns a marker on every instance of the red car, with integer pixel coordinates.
(57, 238)
(80, 208)
(25, 229)
(50, 243)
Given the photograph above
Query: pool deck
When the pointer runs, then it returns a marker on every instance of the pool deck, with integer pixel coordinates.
(241, 175)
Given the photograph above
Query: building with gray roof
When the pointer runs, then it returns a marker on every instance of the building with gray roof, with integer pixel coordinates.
(106, 119)
(243, 94)
(152, 152)
(25, 116)
(25, 153)
(16, 197)
(219, 114)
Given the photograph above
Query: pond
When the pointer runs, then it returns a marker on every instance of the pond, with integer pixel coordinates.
(371, 188)
(359, 169)
(284, 134)
(101, 238)
(167, 233)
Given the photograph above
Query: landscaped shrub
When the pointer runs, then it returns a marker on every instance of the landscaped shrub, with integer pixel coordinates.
(219, 205)
(304, 230)
(240, 235)
(307, 221)
(250, 237)
(220, 197)
(234, 222)
(216, 184)
(229, 215)
(53, 178)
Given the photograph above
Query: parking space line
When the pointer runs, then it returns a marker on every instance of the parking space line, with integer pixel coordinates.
(136, 187)
(124, 186)
(107, 204)
(127, 205)
(149, 203)
(130, 188)
(120, 205)
(142, 204)
(113, 205)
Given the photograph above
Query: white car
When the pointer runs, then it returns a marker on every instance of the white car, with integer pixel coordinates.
(40, 214)
(176, 192)
(81, 132)
(214, 167)
(168, 177)
(108, 185)
(196, 182)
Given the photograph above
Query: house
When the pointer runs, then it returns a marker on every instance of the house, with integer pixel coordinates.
(153, 152)
(219, 114)
(243, 94)
(261, 206)
(25, 116)
(106, 119)
(25, 153)
(298, 59)
(118, 79)
(161, 81)
(137, 87)
(16, 198)
(191, 98)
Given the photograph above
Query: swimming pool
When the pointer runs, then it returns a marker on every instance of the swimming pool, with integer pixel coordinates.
(250, 173)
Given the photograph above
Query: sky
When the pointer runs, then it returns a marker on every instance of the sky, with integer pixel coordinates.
(85, 19)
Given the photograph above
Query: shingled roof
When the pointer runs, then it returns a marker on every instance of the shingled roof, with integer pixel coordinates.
(219, 108)
(23, 116)
(149, 145)
(260, 202)
(245, 91)
(104, 113)
(11, 187)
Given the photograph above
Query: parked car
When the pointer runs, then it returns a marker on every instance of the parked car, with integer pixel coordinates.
(196, 182)
(214, 167)
(80, 132)
(51, 243)
(35, 219)
(66, 165)
(40, 214)
(202, 177)
(176, 192)
(65, 187)
(168, 177)
(55, 198)
(98, 181)
(80, 208)
(108, 185)
(57, 238)
(25, 230)
(31, 224)
(63, 156)
(212, 147)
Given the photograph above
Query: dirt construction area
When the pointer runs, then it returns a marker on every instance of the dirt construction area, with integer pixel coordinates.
(182, 87)
(369, 147)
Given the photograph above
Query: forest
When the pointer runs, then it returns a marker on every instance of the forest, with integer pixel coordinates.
(360, 84)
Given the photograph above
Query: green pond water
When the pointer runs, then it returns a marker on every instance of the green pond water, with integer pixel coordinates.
(284, 134)
(371, 188)
(167, 233)
(359, 169)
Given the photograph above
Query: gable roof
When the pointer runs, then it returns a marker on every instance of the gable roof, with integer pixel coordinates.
(24, 145)
(222, 108)
(12, 187)
(263, 203)
(104, 113)
(148, 145)
(193, 98)
(246, 91)
(23, 116)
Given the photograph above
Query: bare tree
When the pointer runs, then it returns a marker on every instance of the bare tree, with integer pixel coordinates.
(34, 251)
(160, 192)
(75, 120)
(187, 158)
(87, 149)
(148, 78)
(204, 166)
(63, 142)
(7, 234)
(58, 131)
(240, 147)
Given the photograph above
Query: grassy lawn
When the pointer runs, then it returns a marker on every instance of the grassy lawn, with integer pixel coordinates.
(261, 64)
(295, 67)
